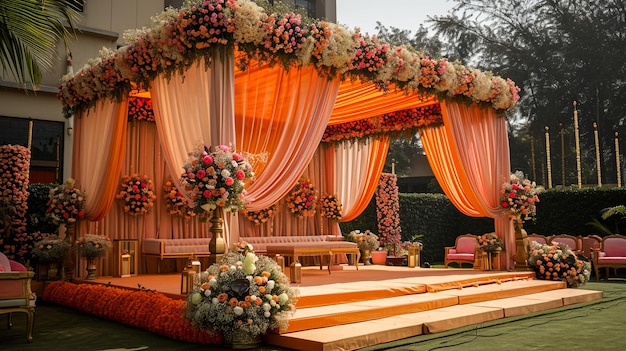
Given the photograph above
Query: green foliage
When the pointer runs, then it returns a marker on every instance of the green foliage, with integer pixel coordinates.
(560, 211)
(37, 206)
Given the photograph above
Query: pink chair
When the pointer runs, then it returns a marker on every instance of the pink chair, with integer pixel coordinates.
(15, 292)
(589, 243)
(537, 238)
(611, 254)
(464, 250)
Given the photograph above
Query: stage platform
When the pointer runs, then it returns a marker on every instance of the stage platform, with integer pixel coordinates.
(351, 309)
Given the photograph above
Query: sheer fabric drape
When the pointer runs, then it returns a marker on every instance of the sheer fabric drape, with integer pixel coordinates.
(470, 158)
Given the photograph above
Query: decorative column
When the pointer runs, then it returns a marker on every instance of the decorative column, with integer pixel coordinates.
(595, 135)
(548, 162)
(562, 155)
(618, 166)
(577, 139)
(521, 245)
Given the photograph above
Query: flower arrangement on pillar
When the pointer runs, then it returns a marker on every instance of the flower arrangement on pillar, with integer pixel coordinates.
(215, 181)
(518, 198)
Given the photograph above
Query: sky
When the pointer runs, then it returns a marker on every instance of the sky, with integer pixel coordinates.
(402, 14)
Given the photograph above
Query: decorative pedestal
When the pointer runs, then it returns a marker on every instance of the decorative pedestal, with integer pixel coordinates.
(69, 261)
(91, 268)
(488, 261)
(366, 255)
(521, 246)
(49, 271)
(217, 245)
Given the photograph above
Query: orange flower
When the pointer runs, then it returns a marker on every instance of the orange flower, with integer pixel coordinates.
(258, 302)
(258, 280)
(233, 302)
(261, 290)
(222, 297)
(266, 274)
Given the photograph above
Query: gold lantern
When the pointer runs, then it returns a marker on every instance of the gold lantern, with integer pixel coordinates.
(295, 271)
(196, 265)
(187, 279)
(125, 265)
(414, 256)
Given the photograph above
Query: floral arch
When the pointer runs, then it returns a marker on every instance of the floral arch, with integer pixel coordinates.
(292, 97)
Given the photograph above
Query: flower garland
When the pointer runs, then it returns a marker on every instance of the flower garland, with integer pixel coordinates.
(136, 194)
(519, 196)
(559, 262)
(387, 212)
(93, 246)
(242, 292)
(489, 242)
(178, 39)
(140, 109)
(216, 178)
(66, 203)
(175, 202)
(135, 308)
(399, 122)
(261, 216)
(14, 165)
(330, 207)
(301, 199)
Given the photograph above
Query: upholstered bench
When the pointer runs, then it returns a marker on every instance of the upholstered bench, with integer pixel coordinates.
(260, 243)
(175, 248)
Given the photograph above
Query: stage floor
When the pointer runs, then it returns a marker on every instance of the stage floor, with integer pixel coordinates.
(350, 309)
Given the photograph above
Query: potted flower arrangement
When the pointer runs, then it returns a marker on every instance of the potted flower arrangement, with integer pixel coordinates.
(489, 245)
(92, 246)
(559, 262)
(241, 297)
(50, 250)
(136, 194)
(367, 242)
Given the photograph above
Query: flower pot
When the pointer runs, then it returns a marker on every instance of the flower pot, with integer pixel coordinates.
(241, 340)
(379, 257)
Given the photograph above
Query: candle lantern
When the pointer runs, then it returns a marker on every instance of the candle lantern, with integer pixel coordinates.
(414, 256)
(187, 279)
(295, 271)
(196, 265)
(125, 265)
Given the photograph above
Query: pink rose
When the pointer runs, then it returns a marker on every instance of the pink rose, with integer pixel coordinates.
(207, 160)
(229, 181)
(201, 173)
(240, 175)
(206, 194)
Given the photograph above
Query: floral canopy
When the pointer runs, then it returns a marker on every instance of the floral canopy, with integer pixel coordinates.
(274, 87)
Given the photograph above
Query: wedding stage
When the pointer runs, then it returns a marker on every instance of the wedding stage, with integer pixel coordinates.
(351, 309)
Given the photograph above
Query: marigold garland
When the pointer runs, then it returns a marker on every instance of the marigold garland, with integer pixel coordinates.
(136, 194)
(261, 216)
(301, 199)
(330, 207)
(148, 310)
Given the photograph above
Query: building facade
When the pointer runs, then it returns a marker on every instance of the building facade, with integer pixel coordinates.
(34, 118)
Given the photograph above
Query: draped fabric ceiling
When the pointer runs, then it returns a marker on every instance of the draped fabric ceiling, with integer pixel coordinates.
(277, 117)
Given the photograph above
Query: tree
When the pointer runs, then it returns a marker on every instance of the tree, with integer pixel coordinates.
(29, 33)
(557, 51)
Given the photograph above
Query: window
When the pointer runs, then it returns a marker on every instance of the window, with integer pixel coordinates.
(47, 142)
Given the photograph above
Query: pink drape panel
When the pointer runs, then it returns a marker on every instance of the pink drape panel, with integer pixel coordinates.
(358, 167)
(98, 149)
(287, 122)
(470, 158)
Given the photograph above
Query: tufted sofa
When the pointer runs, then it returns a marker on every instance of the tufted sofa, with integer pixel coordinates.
(260, 243)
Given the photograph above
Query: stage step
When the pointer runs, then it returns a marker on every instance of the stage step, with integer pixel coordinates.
(352, 312)
(379, 330)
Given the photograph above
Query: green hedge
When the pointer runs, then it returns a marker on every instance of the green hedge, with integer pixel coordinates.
(560, 211)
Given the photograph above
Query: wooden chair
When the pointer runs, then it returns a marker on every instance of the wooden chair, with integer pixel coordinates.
(541, 239)
(589, 243)
(611, 254)
(571, 241)
(15, 292)
(464, 250)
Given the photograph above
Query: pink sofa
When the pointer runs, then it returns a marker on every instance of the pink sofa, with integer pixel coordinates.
(611, 254)
(464, 250)
(15, 292)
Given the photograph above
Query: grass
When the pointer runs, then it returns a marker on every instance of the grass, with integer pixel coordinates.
(597, 325)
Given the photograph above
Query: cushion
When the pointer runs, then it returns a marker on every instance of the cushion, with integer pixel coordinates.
(466, 245)
(567, 241)
(615, 247)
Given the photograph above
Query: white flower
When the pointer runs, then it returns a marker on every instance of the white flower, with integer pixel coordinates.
(270, 285)
(266, 307)
(283, 298)
(238, 311)
(213, 282)
(225, 173)
(267, 314)
(214, 301)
